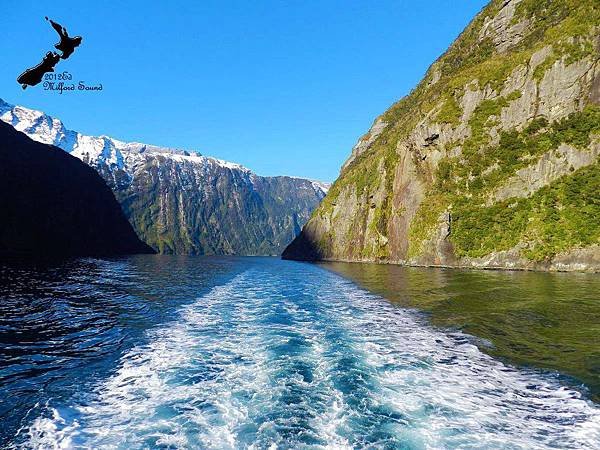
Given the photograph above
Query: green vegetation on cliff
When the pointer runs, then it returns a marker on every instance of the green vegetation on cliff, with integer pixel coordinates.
(566, 26)
(467, 95)
(558, 217)
(178, 209)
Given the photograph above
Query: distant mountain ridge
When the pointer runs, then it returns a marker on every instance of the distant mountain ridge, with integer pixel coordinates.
(53, 205)
(182, 202)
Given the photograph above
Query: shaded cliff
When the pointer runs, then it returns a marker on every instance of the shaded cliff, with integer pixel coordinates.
(183, 202)
(54, 205)
(491, 161)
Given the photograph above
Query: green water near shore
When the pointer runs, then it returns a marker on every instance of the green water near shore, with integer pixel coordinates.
(545, 320)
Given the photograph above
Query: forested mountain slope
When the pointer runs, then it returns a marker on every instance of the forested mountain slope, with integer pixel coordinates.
(181, 202)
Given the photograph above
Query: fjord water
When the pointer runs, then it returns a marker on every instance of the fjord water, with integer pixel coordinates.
(546, 320)
(183, 352)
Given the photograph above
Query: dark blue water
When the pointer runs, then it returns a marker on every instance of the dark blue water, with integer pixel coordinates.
(177, 352)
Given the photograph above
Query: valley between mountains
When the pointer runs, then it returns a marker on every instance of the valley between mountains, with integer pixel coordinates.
(181, 202)
(490, 162)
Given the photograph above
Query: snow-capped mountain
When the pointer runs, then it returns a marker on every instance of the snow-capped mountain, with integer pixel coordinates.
(184, 202)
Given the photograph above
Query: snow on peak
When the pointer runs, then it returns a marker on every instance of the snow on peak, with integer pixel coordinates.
(316, 185)
(94, 149)
(321, 185)
(106, 150)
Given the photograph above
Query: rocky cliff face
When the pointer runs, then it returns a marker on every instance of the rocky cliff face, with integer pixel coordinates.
(491, 161)
(181, 202)
(54, 205)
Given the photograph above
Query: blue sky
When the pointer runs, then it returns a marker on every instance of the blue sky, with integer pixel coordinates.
(282, 87)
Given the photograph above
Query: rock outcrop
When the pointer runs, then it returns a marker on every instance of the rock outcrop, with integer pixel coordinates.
(53, 205)
(512, 177)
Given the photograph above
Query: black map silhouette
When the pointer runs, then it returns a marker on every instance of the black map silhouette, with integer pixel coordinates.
(67, 45)
(33, 76)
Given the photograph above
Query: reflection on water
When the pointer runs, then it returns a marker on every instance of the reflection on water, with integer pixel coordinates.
(64, 325)
(548, 320)
(222, 353)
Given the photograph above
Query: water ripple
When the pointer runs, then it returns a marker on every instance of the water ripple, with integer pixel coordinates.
(296, 357)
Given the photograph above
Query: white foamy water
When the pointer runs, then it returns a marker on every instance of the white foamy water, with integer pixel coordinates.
(305, 359)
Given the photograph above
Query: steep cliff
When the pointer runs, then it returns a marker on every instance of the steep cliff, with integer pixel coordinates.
(491, 161)
(181, 202)
(54, 205)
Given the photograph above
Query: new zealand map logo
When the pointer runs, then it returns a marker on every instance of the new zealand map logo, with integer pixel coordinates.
(66, 46)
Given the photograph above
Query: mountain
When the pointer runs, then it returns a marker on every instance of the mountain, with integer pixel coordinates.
(181, 202)
(54, 205)
(491, 161)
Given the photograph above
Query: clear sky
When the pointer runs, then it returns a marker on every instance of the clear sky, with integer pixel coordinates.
(282, 87)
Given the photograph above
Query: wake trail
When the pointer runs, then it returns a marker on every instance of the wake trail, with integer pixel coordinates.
(305, 358)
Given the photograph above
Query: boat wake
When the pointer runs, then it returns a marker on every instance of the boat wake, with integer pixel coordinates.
(307, 359)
